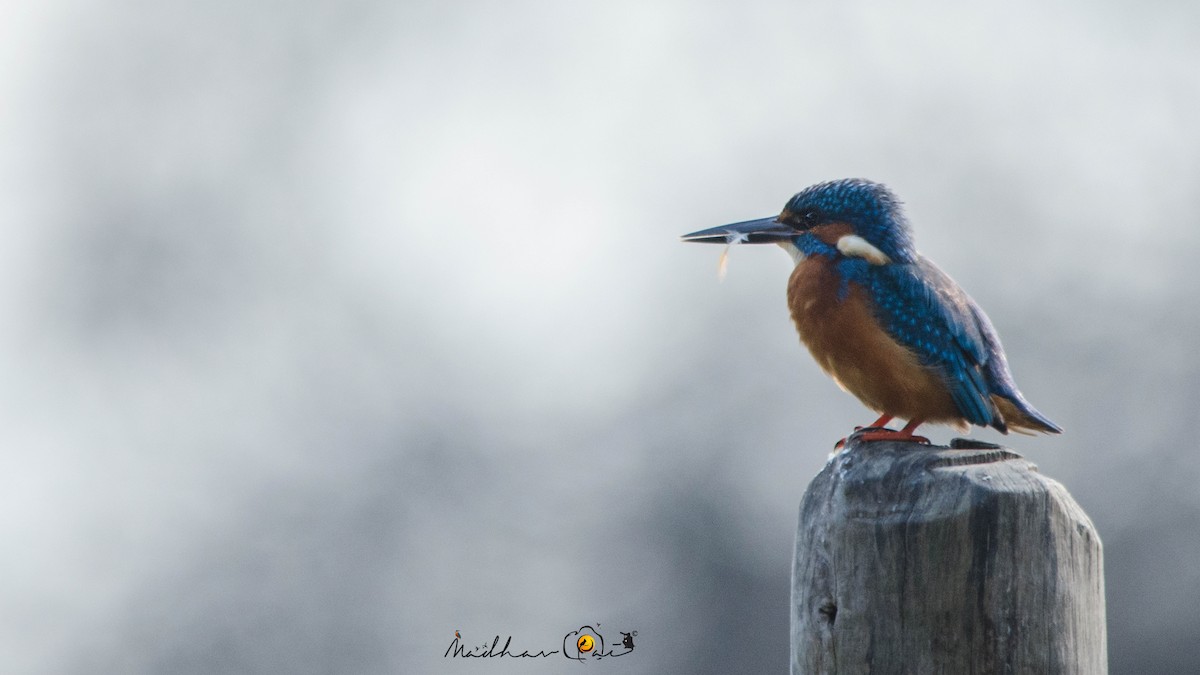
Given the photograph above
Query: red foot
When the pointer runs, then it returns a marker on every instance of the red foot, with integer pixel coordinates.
(877, 432)
(890, 435)
(877, 424)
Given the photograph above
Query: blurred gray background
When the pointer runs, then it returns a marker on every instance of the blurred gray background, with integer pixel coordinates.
(332, 327)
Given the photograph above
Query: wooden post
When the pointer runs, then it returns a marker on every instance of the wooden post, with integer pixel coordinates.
(931, 559)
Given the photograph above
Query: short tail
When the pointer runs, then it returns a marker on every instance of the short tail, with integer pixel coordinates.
(1023, 418)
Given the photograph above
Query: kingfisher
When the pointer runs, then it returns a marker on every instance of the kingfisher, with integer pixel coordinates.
(882, 320)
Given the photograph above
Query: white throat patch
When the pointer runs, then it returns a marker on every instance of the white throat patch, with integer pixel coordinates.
(796, 253)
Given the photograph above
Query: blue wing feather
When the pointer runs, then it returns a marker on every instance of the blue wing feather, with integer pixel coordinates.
(926, 311)
(1000, 379)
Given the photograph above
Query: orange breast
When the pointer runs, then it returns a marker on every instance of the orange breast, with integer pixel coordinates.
(850, 345)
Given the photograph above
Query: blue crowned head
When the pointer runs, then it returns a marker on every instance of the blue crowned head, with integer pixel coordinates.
(869, 208)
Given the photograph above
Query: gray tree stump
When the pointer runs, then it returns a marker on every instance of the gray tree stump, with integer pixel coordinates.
(957, 560)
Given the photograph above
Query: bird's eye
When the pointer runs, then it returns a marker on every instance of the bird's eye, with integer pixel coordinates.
(803, 218)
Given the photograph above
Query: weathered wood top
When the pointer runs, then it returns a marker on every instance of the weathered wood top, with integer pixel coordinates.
(934, 559)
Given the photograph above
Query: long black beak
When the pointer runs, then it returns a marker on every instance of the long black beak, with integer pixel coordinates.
(761, 231)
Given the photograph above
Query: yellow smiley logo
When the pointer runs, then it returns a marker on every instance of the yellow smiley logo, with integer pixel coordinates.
(585, 643)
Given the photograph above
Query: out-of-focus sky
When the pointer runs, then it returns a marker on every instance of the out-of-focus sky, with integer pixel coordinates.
(329, 328)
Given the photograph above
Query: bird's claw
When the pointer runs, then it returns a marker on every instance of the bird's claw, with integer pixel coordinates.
(885, 434)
